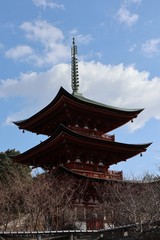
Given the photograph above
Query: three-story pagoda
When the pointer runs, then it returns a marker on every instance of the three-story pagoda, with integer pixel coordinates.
(78, 133)
(78, 141)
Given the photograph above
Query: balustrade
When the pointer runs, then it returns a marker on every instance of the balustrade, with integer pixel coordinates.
(96, 171)
(93, 133)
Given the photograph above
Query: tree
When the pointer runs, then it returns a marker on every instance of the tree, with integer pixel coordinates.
(9, 169)
(133, 204)
(13, 179)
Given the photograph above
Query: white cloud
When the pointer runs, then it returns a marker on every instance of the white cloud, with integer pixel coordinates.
(47, 46)
(49, 49)
(43, 32)
(151, 47)
(117, 85)
(126, 17)
(132, 48)
(19, 52)
(47, 3)
(81, 39)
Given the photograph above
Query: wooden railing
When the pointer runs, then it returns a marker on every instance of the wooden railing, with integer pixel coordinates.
(95, 171)
(93, 133)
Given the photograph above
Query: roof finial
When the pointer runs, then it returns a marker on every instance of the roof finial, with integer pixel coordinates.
(74, 68)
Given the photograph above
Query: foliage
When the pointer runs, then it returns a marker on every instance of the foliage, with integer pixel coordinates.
(9, 169)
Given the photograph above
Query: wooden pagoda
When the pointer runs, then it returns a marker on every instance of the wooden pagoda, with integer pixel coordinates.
(78, 140)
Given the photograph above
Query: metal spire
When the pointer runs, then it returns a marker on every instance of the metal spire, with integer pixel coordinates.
(74, 68)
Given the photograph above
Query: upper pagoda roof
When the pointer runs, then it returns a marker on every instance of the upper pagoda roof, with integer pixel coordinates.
(68, 108)
(66, 144)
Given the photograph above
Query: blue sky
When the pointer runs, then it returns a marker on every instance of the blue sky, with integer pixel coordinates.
(119, 64)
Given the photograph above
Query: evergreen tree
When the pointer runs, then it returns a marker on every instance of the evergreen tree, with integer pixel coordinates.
(9, 170)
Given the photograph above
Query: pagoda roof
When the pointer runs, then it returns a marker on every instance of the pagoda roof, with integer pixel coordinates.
(66, 105)
(66, 144)
(61, 170)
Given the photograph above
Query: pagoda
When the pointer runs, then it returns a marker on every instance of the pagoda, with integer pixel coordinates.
(77, 128)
